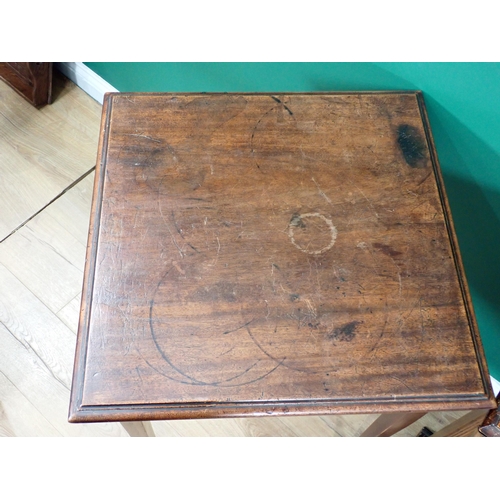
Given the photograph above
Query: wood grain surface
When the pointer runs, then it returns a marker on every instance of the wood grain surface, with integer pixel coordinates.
(272, 255)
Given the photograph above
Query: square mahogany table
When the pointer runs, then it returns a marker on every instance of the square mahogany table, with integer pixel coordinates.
(263, 254)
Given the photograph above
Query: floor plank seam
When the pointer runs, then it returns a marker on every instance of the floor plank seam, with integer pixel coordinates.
(14, 336)
(42, 302)
(69, 301)
(30, 403)
(48, 245)
(30, 349)
(13, 124)
(63, 192)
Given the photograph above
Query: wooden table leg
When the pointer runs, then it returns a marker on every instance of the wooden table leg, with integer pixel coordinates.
(390, 423)
(139, 429)
(466, 426)
(491, 425)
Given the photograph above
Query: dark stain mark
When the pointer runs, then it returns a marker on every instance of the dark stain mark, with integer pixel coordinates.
(227, 352)
(296, 221)
(282, 103)
(217, 292)
(294, 297)
(200, 208)
(145, 158)
(314, 326)
(412, 145)
(344, 333)
(276, 266)
(195, 249)
(386, 249)
(176, 226)
(239, 328)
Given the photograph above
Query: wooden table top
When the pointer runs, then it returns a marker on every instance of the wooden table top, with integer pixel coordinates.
(258, 254)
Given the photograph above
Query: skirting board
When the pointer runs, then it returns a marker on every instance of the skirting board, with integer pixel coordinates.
(496, 385)
(89, 81)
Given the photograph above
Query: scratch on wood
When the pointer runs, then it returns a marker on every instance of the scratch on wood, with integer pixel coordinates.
(401, 382)
(311, 308)
(321, 192)
(252, 149)
(422, 327)
(239, 328)
(176, 265)
(168, 228)
(145, 137)
(176, 226)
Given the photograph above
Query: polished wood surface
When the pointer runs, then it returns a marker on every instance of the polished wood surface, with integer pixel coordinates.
(272, 255)
(32, 80)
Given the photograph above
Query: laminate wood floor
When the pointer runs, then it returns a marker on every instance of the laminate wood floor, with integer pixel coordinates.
(47, 158)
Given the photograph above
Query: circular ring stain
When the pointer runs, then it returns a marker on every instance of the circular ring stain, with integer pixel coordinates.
(307, 236)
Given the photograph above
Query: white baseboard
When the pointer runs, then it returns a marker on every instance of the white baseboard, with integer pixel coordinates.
(86, 79)
(496, 386)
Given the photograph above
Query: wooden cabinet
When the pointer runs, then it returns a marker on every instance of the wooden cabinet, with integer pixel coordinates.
(32, 80)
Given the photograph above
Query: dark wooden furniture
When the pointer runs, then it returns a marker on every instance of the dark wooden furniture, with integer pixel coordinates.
(258, 254)
(32, 80)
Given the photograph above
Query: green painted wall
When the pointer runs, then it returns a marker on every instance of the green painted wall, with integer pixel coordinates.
(463, 101)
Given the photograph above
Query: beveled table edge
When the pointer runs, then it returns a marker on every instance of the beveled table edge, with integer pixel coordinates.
(79, 413)
(119, 413)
